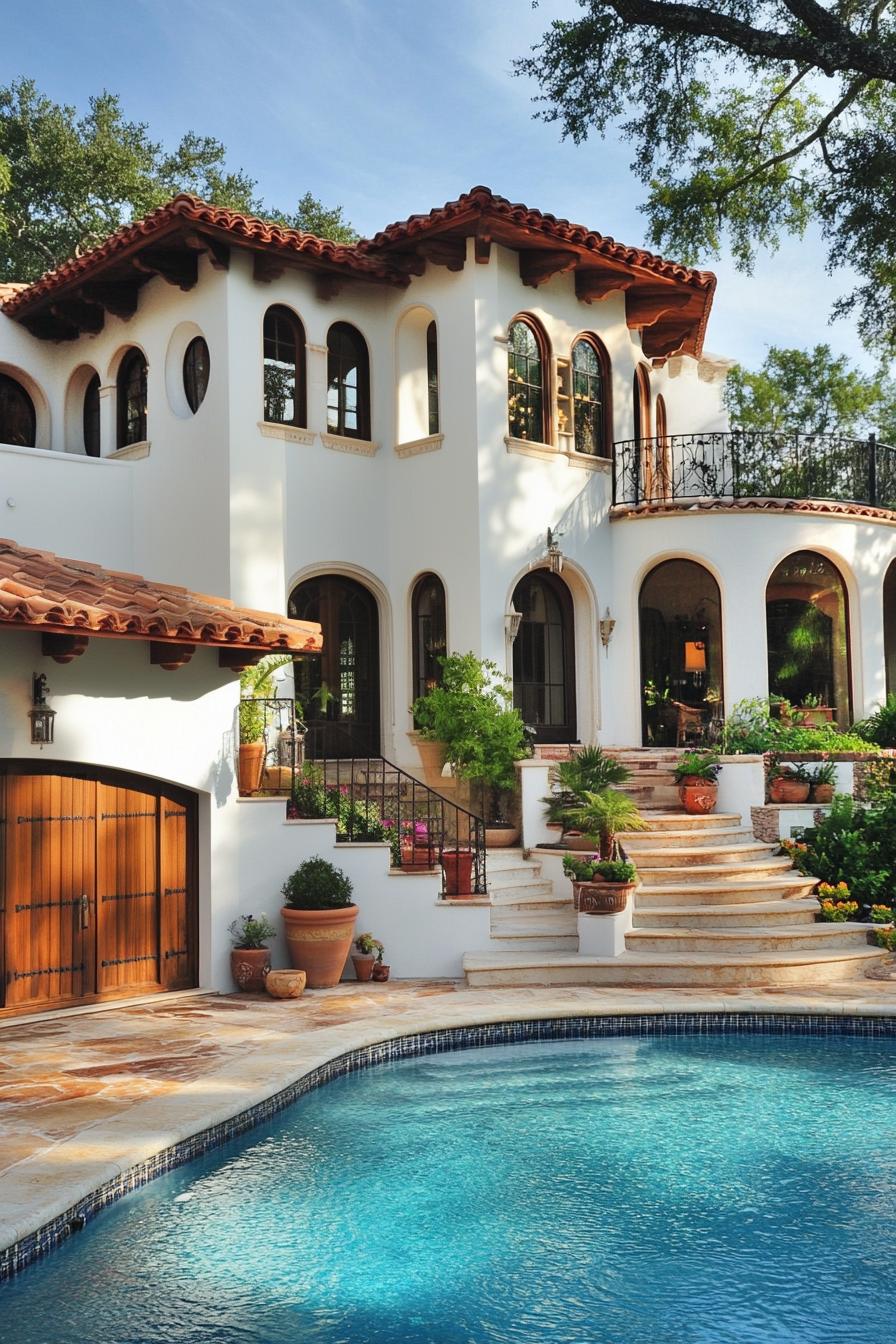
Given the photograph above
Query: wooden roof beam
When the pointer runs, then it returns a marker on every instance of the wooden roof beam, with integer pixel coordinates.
(646, 306)
(176, 267)
(237, 660)
(444, 251)
(89, 318)
(218, 252)
(594, 284)
(170, 656)
(118, 297)
(540, 264)
(62, 648)
(266, 268)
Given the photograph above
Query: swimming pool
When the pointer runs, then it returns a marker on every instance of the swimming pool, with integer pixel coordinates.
(673, 1190)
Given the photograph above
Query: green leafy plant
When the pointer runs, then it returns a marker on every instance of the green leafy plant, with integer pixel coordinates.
(588, 868)
(838, 912)
(812, 701)
(886, 938)
(251, 931)
(317, 885)
(880, 727)
(882, 914)
(854, 844)
(698, 765)
(604, 815)
(752, 729)
(590, 770)
(826, 773)
(256, 685)
(368, 946)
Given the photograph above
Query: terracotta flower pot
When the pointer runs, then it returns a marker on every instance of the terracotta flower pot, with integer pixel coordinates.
(582, 844)
(698, 795)
(285, 984)
(822, 793)
(602, 898)
(501, 837)
(418, 858)
(816, 716)
(432, 757)
(381, 971)
(318, 942)
(784, 790)
(363, 965)
(251, 762)
(458, 866)
(249, 967)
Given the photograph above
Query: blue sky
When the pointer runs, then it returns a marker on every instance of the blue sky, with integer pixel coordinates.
(387, 107)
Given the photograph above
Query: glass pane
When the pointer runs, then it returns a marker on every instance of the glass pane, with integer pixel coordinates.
(808, 648)
(682, 701)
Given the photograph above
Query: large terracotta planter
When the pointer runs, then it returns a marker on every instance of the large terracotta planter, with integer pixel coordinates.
(602, 898)
(815, 717)
(249, 967)
(318, 942)
(419, 858)
(501, 837)
(698, 795)
(822, 793)
(432, 757)
(250, 766)
(783, 790)
(458, 865)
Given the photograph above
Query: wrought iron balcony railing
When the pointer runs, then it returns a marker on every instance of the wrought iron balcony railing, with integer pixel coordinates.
(754, 465)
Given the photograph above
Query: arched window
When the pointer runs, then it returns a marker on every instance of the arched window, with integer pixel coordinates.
(890, 628)
(339, 688)
(18, 423)
(284, 367)
(641, 403)
(807, 623)
(348, 382)
(662, 461)
(91, 417)
(430, 641)
(132, 399)
(197, 367)
(432, 377)
(527, 408)
(544, 687)
(680, 619)
(591, 398)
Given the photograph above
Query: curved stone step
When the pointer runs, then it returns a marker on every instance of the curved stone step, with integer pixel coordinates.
(686, 970)
(548, 923)
(541, 892)
(536, 942)
(694, 856)
(680, 820)
(788, 884)
(722, 873)
(724, 836)
(750, 941)
(747, 914)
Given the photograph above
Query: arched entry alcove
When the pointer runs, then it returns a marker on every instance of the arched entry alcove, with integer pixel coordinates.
(807, 623)
(680, 619)
(339, 689)
(544, 661)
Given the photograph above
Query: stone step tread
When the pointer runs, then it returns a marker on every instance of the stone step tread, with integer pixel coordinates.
(810, 932)
(791, 878)
(688, 833)
(750, 847)
(735, 911)
(756, 866)
(705, 820)
(548, 905)
(563, 922)
(484, 961)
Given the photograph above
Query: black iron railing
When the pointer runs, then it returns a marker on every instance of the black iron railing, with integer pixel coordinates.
(754, 465)
(372, 799)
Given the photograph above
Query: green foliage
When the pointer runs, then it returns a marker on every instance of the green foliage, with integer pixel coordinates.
(257, 684)
(880, 727)
(67, 182)
(356, 819)
(585, 869)
(588, 771)
(882, 914)
(837, 912)
(698, 765)
(317, 885)
(472, 713)
(750, 729)
(813, 391)
(603, 815)
(855, 845)
(251, 931)
(369, 946)
(826, 773)
(886, 938)
(748, 121)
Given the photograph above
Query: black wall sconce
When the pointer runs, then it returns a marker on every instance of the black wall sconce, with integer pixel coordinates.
(40, 714)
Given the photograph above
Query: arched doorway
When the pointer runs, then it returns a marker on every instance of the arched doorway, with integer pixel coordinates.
(680, 617)
(807, 625)
(544, 688)
(339, 689)
(890, 628)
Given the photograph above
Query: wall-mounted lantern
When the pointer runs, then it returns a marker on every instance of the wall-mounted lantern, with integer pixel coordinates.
(555, 555)
(40, 714)
(607, 626)
(512, 619)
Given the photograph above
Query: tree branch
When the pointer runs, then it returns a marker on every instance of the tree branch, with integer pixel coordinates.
(788, 88)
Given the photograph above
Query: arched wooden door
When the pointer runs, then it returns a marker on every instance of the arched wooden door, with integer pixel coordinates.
(544, 686)
(98, 873)
(339, 689)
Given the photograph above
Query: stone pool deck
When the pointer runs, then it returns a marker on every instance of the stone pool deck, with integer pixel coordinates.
(86, 1096)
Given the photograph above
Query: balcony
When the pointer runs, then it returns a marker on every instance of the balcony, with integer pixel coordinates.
(747, 465)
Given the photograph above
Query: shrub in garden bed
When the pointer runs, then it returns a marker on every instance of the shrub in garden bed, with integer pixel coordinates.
(752, 729)
(853, 844)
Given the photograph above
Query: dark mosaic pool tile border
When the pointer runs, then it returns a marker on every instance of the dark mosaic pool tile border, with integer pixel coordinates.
(24, 1252)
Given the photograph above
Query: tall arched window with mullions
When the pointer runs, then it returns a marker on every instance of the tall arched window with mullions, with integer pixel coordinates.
(132, 399)
(430, 640)
(591, 397)
(284, 367)
(527, 402)
(348, 382)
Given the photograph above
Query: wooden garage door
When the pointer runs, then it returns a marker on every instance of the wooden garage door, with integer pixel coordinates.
(98, 889)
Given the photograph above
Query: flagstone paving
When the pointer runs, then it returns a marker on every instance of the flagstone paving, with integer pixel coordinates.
(83, 1096)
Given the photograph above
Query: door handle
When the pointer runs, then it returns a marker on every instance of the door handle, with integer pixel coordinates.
(85, 910)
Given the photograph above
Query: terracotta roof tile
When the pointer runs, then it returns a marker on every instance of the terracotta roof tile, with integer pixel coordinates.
(41, 590)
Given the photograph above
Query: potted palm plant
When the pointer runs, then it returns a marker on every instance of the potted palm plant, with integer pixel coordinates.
(603, 817)
(250, 957)
(588, 771)
(256, 685)
(320, 921)
(696, 774)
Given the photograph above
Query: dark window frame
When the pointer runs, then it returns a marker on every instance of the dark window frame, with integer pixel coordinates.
(350, 355)
(432, 377)
(427, 671)
(195, 389)
(273, 342)
(133, 410)
(567, 730)
(847, 626)
(533, 411)
(91, 426)
(11, 390)
(603, 430)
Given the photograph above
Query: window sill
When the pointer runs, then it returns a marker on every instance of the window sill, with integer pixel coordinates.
(589, 461)
(413, 447)
(344, 444)
(131, 451)
(530, 447)
(292, 433)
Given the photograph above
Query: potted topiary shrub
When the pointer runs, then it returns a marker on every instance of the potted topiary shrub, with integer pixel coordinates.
(600, 887)
(788, 783)
(696, 775)
(320, 921)
(250, 957)
(823, 779)
(366, 951)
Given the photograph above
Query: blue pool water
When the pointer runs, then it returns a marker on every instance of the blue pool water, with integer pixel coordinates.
(696, 1190)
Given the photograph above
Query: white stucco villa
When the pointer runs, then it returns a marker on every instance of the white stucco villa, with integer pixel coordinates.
(484, 428)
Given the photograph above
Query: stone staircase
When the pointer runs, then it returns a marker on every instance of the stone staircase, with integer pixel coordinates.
(715, 909)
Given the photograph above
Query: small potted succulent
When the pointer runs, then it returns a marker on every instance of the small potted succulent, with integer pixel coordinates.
(366, 951)
(697, 774)
(600, 887)
(380, 968)
(320, 921)
(250, 957)
(823, 780)
(813, 712)
(788, 783)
